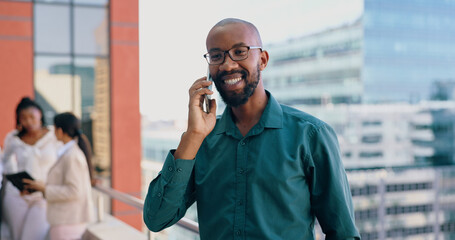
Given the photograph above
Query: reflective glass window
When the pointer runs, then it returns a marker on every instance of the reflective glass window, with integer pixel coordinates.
(92, 2)
(52, 28)
(90, 31)
(53, 1)
(55, 90)
(95, 105)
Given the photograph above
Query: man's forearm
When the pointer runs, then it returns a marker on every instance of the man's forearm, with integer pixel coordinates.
(169, 194)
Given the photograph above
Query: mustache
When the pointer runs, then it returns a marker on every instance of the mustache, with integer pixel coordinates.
(224, 73)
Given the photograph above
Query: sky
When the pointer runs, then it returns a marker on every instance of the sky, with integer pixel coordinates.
(172, 40)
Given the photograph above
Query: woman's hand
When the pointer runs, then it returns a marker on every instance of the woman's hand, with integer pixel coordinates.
(33, 185)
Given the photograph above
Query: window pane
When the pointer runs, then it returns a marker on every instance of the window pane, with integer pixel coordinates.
(56, 91)
(53, 1)
(92, 2)
(90, 30)
(95, 105)
(52, 29)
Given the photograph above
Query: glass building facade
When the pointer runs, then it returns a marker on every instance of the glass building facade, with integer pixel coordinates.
(408, 45)
(396, 51)
(72, 53)
(317, 69)
(404, 203)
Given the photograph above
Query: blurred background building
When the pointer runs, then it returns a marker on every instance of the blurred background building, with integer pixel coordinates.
(80, 56)
(404, 203)
(396, 52)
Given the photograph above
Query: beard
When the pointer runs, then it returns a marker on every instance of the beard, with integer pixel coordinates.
(236, 99)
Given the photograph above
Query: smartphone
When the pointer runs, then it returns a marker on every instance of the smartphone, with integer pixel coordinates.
(207, 98)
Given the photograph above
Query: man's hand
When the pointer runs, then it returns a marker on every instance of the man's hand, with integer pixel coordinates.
(200, 123)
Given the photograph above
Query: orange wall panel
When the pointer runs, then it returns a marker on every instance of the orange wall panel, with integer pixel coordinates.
(15, 28)
(10, 8)
(125, 115)
(124, 11)
(125, 33)
(16, 60)
(125, 121)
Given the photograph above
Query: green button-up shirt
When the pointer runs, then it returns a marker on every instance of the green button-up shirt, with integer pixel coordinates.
(270, 184)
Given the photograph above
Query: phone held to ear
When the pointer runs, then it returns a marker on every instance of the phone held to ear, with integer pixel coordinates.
(206, 104)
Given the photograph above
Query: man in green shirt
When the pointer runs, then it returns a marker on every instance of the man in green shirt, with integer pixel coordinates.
(260, 171)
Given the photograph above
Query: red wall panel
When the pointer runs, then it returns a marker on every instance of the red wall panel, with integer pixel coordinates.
(16, 60)
(124, 11)
(124, 33)
(125, 116)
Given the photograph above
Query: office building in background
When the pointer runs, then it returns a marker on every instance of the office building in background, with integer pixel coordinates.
(395, 52)
(80, 56)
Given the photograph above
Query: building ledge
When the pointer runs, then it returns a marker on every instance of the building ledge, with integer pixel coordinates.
(110, 229)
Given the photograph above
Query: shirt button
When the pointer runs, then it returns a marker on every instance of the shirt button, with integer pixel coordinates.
(241, 171)
(238, 232)
(240, 203)
(179, 169)
(158, 194)
(170, 169)
(242, 143)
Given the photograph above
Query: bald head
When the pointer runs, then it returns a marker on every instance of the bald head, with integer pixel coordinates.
(249, 25)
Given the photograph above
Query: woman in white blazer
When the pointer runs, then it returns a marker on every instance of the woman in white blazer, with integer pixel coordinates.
(68, 188)
(31, 147)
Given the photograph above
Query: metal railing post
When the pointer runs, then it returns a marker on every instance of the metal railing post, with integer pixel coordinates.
(185, 223)
(100, 205)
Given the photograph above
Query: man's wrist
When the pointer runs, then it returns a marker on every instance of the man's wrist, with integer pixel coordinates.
(189, 145)
(193, 136)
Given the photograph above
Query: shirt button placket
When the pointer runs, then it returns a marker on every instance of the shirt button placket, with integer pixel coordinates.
(240, 189)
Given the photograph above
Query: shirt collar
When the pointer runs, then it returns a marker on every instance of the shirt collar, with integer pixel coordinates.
(65, 148)
(272, 117)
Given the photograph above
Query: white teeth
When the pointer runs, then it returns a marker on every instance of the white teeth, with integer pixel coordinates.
(232, 81)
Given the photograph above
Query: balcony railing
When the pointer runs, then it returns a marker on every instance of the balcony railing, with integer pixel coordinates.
(184, 223)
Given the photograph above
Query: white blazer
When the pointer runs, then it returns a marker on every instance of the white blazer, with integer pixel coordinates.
(68, 190)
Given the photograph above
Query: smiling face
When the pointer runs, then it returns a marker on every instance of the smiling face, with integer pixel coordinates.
(236, 81)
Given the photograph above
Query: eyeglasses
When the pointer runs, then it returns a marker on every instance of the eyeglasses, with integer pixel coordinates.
(216, 57)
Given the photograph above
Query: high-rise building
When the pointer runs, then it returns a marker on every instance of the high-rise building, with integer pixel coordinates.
(407, 46)
(394, 52)
(318, 69)
(80, 56)
(392, 135)
(404, 203)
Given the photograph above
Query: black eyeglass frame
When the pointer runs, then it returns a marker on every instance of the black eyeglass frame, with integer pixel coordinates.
(207, 56)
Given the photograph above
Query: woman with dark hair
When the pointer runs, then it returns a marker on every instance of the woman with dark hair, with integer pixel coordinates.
(68, 188)
(31, 147)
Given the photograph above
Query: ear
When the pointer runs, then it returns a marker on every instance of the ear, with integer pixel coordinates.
(264, 59)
